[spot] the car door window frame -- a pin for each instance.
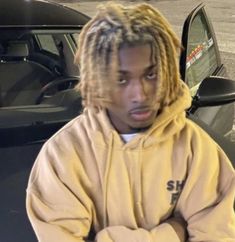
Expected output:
(199, 10)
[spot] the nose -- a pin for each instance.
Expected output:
(139, 92)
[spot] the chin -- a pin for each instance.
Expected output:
(141, 127)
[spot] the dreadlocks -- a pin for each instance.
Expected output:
(113, 27)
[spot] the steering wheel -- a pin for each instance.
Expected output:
(55, 86)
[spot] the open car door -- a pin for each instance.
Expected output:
(200, 57)
(200, 62)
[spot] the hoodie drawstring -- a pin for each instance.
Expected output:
(106, 177)
(139, 182)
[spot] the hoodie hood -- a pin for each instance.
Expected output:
(169, 121)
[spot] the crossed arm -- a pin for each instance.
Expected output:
(73, 224)
(180, 227)
(173, 229)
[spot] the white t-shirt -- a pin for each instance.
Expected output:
(128, 137)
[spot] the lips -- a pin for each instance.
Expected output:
(141, 114)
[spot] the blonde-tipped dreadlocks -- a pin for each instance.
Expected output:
(115, 26)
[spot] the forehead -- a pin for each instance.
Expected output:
(139, 56)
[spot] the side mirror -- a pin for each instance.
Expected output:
(214, 91)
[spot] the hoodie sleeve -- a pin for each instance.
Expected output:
(162, 233)
(56, 210)
(207, 199)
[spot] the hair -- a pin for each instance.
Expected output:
(113, 27)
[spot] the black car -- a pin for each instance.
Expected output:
(37, 95)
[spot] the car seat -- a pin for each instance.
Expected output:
(20, 79)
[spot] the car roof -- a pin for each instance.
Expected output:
(39, 14)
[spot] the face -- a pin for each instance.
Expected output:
(133, 96)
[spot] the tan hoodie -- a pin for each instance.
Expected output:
(86, 177)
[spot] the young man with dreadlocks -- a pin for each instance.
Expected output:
(131, 167)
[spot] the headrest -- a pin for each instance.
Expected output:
(18, 49)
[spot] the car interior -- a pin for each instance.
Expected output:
(36, 78)
(21, 86)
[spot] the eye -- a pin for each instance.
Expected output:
(151, 75)
(122, 81)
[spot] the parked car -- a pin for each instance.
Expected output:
(37, 95)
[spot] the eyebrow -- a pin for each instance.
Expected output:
(146, 69)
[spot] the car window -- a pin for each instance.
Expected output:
(201, 54)
(75, 37)
(47, 43)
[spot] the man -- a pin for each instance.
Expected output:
(131, 167)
